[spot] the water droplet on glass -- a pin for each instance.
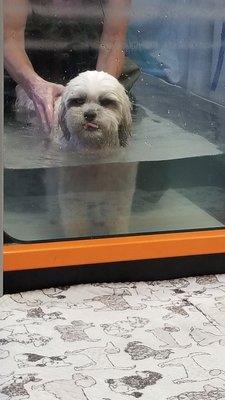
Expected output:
(147, 142)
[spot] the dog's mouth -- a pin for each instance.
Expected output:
(91, 126)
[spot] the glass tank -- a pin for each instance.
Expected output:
(161, 171)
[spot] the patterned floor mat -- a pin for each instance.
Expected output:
(151, 340)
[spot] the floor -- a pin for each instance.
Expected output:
(161, 340)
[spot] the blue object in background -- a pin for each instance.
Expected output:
(158, 38)
(142, 56)
(220, 60)
(182, 42)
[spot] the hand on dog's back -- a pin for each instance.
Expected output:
(44, 94)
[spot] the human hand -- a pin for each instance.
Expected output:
(44, 94)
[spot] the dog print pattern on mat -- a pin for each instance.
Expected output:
(138, 351)
(37, 314)
(125, 327)
(134, 385)
(97, 358)
(75, 332)
(88, 358)
(208, 393)
(14, 386)
(113, 303)
(21, 334)
(150, 340)
(76, 385)
(193, 369)
(167, 335)
(39, 360)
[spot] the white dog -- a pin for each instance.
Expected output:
(94, 115)
(95, 111)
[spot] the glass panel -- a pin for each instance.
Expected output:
(170, 175)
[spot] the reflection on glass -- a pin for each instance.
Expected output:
(170, 175)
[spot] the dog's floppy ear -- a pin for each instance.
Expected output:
(62, 120)
(126, 121)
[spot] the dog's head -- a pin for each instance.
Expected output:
(95, 111)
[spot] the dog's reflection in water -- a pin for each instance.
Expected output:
(94, 116)
(96, 199)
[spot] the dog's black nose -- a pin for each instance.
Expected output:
(90, 115)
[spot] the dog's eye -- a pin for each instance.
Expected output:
(107, 102)
(76, 102)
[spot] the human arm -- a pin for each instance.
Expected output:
(111, 53)
(18, 65)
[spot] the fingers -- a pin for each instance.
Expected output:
(55, 92)
(45, 115)
(45, 112)
(44, 97)
(49, 111)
